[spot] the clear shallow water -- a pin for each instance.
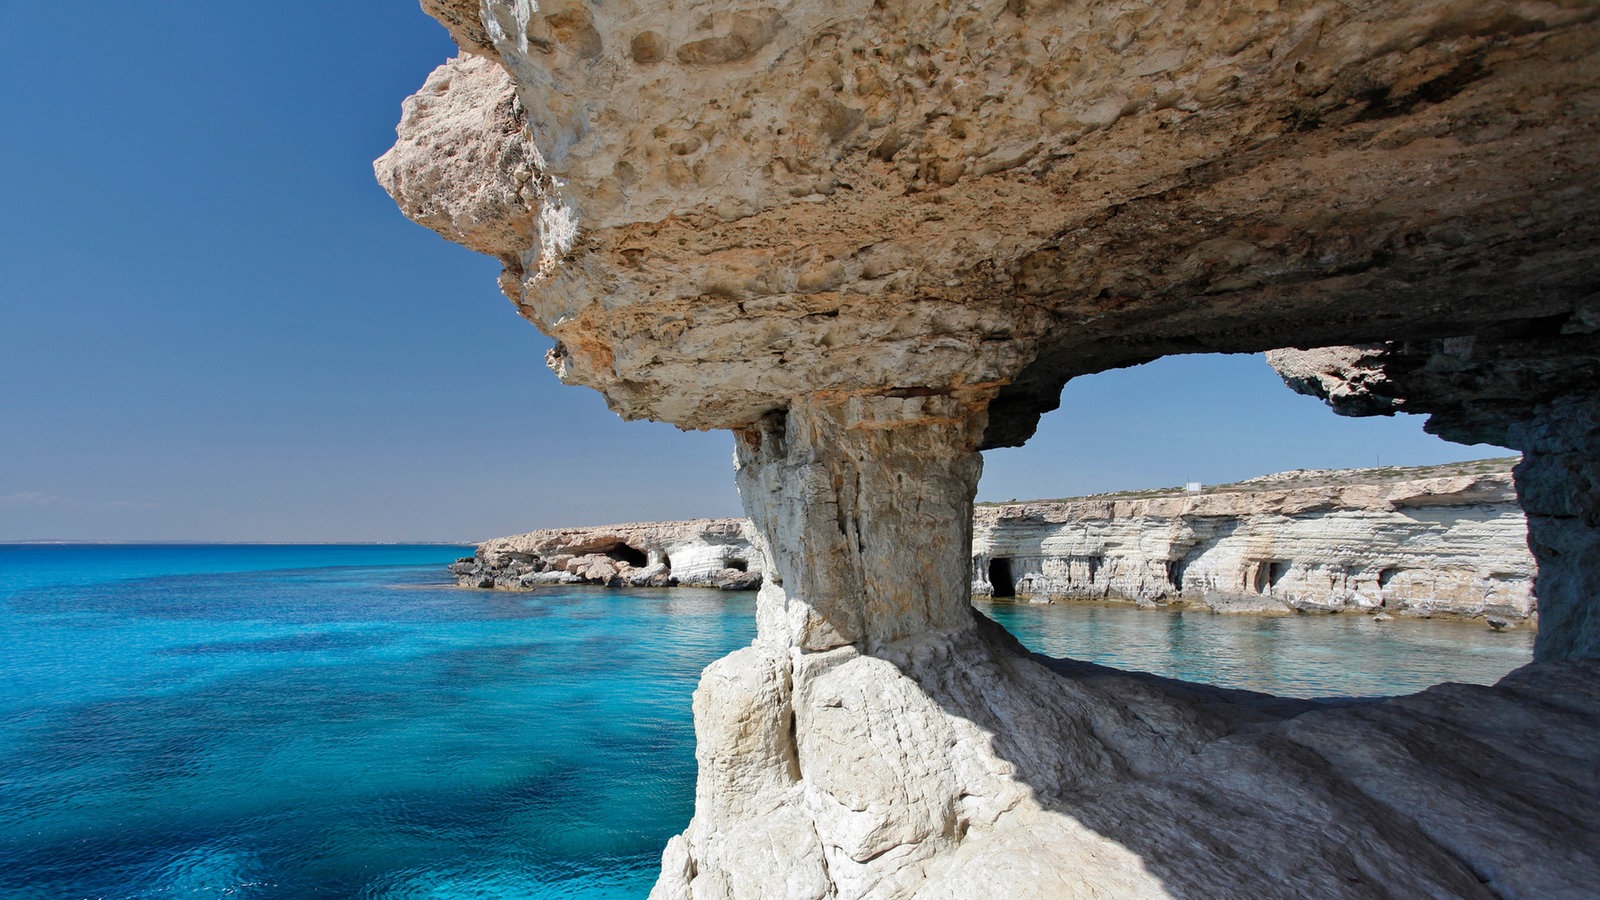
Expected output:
(339, 721)
(360, 730)
(1294, 656)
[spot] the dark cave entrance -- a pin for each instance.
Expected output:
(629, 555)
(1002, 584)
(737, 563)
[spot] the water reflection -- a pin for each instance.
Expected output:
(1297, 656)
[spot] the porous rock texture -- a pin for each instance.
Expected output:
(874, 236)
(1441, 540)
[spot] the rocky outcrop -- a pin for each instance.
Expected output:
(958, 766)
(718, 208)
(1444, 540)
(1439, 540)
(872, 237)
(1533, 390)
(695, 553)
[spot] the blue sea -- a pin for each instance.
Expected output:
(341, 721)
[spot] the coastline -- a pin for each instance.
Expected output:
(1445, 541)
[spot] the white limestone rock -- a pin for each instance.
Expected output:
(695, 553)
(1416, 542)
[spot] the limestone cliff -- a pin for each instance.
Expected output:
(694, 553)
(1439, 540)
(872, 237)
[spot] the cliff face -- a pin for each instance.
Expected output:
(872, 237)
(1446, 540)
(696, 553)
(1435, 544)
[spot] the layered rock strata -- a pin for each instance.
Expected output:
(695, 553)
(1441, 540)
(1418, 542)
(874, 236)
(1534, 390)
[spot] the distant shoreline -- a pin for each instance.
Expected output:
(83, 543)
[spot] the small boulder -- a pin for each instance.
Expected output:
(533, 579)
(736, 580)
(657, 575)
(594, 568)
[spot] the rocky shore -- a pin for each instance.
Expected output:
(872, 240)
(715, 553)
(1444, 540)
(1425, 541)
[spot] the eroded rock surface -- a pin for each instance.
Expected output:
(961, 767)
(1445, 540)
(737, 204)
(694, 553)
(1534, 390)
(874, 236)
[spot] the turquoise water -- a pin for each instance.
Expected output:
(1316, 655)
(340, 721)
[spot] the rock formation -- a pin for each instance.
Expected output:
(1534, 390)
(1439, 540)
(874, 236)
(695, 553)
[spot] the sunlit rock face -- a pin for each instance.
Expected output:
(1449, 540)
(749, 202)
(873, 237)
(692, 553)
(1533, 389)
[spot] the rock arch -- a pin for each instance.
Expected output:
(873, 238)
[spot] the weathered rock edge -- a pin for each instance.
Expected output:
(874, 236)
(1438, 540)
(1425, 541)
(716, 553)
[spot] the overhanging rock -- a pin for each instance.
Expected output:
(873, 237)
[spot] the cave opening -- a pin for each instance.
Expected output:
(1175, 569)
(737, 563)
(1276, 570)
(630, 555)
(1000, 580)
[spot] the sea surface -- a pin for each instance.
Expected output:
(341, 721)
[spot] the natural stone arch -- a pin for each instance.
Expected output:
(872, 238)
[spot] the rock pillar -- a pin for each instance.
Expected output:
(865, 504)
(1558, 485)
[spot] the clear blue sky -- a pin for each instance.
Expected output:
(214, 325)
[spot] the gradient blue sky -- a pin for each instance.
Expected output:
(214, 325)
